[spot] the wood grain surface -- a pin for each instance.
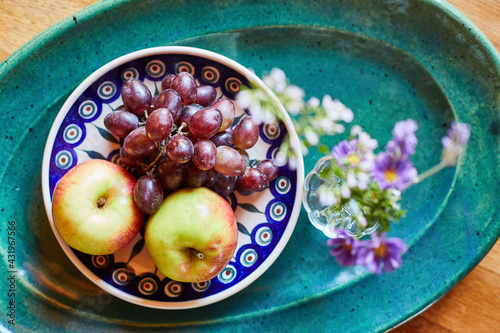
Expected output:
(471, 306)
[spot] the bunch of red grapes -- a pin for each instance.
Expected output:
(183, 137)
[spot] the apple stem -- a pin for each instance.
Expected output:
(199, 255)
(101, 202)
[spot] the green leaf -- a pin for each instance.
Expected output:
(94, 155)
(323, 149)
(250, 208)
(242, 229)
(137, 249)
(108, 136)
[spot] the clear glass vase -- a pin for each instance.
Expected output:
(329, 219)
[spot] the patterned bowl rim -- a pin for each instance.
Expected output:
(294, 142)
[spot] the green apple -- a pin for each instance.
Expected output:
(193, 236)
(93, 208)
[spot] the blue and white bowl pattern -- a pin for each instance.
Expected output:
(262, 217)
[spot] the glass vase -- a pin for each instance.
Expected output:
(329, 219)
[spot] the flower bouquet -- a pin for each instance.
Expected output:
(353, 194)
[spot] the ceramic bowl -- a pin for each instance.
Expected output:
(265, 220)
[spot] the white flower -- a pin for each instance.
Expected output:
(367, 164)
(295, 92)
(352, 182)
(311, 137)
(312, 102)
(363, 180)
(345, 192)
(347, 115)
(244, 99)
(330, 108)
(326, 126)
(296, 96)
(276, 80)
(365, 141)
(336, 110)
(338, 128)
(327, 198)
(292, 163)
(280, 158)
(362, 220)
(304, 149)
(294, 107)
(356, 130)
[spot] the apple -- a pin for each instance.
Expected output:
(193, 236)
(93, 207)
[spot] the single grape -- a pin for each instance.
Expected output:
(159, 124)
(244, 154)
(229, 162)
(187, 112)
(185, 84)
(171, 100)
(151, 157)
(167, 81)
(205, 154)
(241, 188)
(245, 133)
(180, 149)
(120, 123)
(138, 144)
(170, 174)
(224, 186)
(148, 194)
(127, 159)
(211, 179)
(136, 96)
(222, 139)
(205, 123)
(137, 172)
(121, 108)
(191, 137)
(270, 169)
(205, 95)
(226, 107)
(153, 102)
(194, 176)
(254, 179)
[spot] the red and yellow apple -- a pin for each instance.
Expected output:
(93, 208)
(193, 236)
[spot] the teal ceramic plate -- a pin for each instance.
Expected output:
(386, 60)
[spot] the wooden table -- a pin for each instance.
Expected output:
(472, 306)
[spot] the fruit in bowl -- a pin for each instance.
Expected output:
(93, 208)
(175, 142)
(97, 120)
(193, 236)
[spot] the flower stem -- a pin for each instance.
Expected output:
(435, 169)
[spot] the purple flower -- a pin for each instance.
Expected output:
(344, 248)
(404, 140)
(346, 151)
(390, 172)
(459, 133)
(381, 251)
(454, 143)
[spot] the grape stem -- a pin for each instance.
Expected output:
(155, 160)
(147, 167)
